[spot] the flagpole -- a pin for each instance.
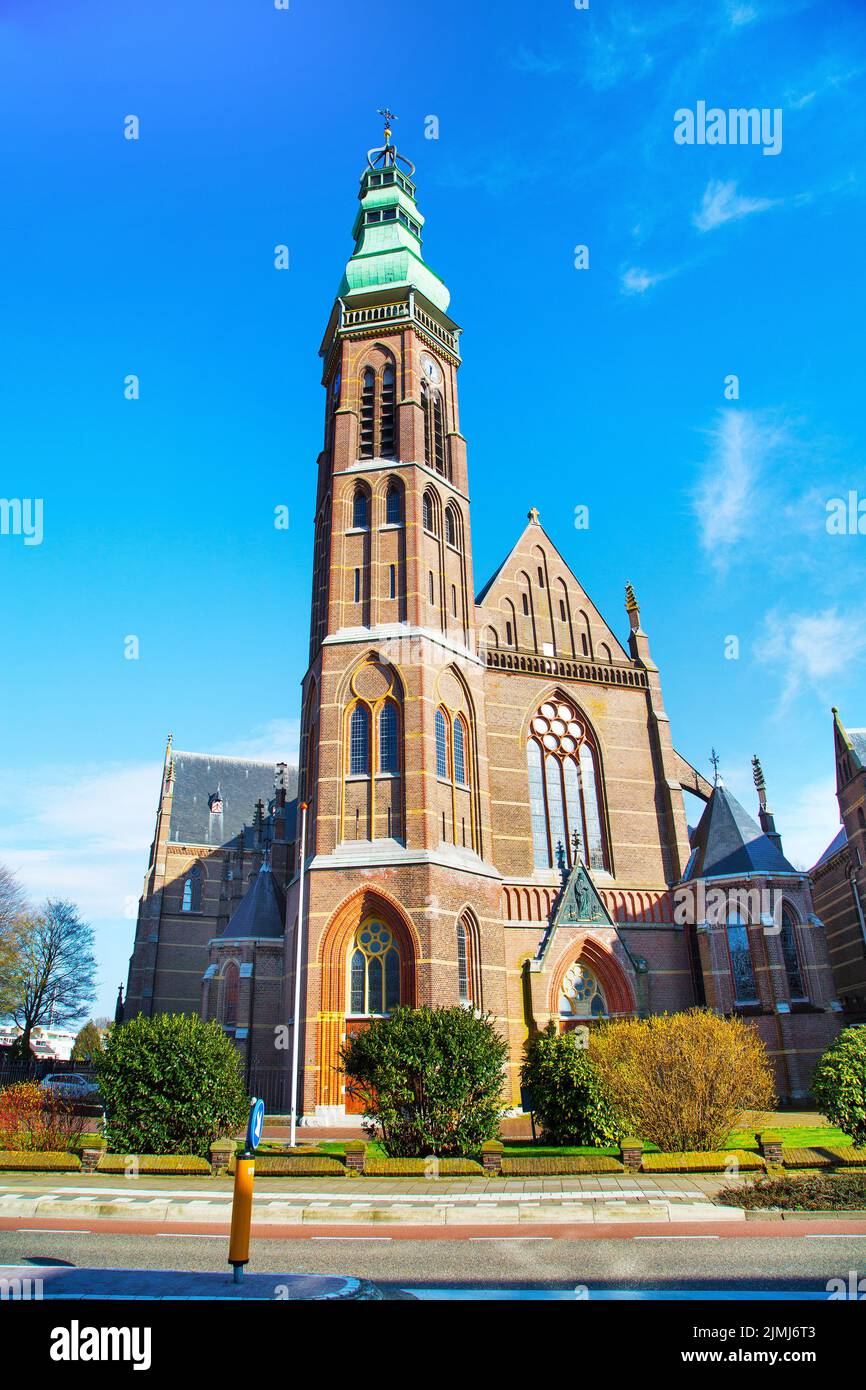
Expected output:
(299, 936)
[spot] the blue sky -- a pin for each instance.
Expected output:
(602, 387)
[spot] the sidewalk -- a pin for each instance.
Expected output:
(291, 1201)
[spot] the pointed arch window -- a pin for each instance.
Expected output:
(367, 444)
(387, 414)
(374, 986)
(359, 742)
(742, 967)
(428, 514)
(393, 505)
(360, 510)
(565, 793)
(191, 894)
(450, 527)
(441, 744)
(463, 978)
(460, 751)
(788, 939)
(231, 990)
(389, 746)
(434, 429)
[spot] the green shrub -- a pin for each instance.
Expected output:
(430, 1080)
(29, 1161)
(811, 1192)
(712, 1162)
(550, 1165)
(171, 1085)
(569, 1096)
(681, 1080)
(839, 1084)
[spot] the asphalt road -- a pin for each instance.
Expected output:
(645, 1260)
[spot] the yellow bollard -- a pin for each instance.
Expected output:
(242, 1211)
(242, 1197)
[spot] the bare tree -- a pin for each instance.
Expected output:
(12, 905)
(59, 971)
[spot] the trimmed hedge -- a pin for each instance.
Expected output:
(153, 1163)
(551, 1165)
(824, 1158)
(296, 1165)
(421, 1167)
(708, 1162)
(12, 1160)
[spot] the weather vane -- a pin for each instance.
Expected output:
(388, 116)
(714, 759)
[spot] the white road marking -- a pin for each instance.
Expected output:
(39, 1231)
(511, 1237)
(676, 1237)
(362, 1238)
(834, 1235)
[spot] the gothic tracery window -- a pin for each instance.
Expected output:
(442, 759)
(564, 787)
(374, 970)
(742, 967)
(581, 995)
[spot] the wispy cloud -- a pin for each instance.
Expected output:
(722, 203)
(732, 483)
(275, 741)
(637, 280)
(811, 651)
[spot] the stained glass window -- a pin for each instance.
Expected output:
(374, 970)
(792, 960)
(745, 988)
(581, 995)
(564, 791)
(359, 509)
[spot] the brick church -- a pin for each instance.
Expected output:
(496, 811)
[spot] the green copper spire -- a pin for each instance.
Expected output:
(387, 230)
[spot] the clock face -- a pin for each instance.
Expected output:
(431, 369)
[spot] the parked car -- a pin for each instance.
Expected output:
(71, 1085)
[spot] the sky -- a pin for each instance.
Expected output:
(600, 387)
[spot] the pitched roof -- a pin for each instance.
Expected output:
(261, 911)
(838, 842)
(534, 534)
(728, 842)
(240, 781)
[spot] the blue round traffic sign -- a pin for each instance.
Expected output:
(255, 1123)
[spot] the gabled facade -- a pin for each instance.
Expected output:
(495, 804)
(839, 877)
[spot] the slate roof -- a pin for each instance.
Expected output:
(241, 782)
(261, 912)
(839, 842)
(728, 841)
(858, 738)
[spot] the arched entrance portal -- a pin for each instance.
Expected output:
(369, 957)
(590, 985)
